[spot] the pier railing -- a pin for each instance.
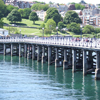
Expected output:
(94, 43)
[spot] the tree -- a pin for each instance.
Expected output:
(2, 9)
(26, 13)
(52, 13)
(42, 25)
(33, 16)
(39, 2)
(1, 23)
(9, 9)
(51, 24)
(74, 27)
(71, 16)
(39, 6)
(35, 6)
(44, 7)
(14, 16)
(73, 3)
(88, 29)
(21, 11)
(60, 25)
(79, 6)
(97, 30)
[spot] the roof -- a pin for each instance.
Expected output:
(77, 11)
(1, 29)
(82, 2)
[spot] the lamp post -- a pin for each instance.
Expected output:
(20, 32)
(43, 32)
(50, 29)
(9, 29)
(81, 29)
(57, 31)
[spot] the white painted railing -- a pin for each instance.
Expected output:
(54, 41)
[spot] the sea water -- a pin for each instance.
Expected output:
(27, 79)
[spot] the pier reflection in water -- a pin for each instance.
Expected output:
(32, 80)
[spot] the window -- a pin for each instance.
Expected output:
(3, 32)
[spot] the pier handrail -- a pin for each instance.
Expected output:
(92, 43)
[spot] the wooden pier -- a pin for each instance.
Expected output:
(84, 56)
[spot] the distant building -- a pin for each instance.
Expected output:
(19, 4)
(90, 20)
(97, 5)
(90, 12)
(79, 12)
(87, 6)
(60, 8)
(4, 32)
(71, 7)
(41, 14)
(22, 4)
(63, 13)
(82, 2)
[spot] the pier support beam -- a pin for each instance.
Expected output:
(70, 57)
(38, 53)
(25, 50)
(74, 61)
(84, 63)
(90, 60)
(4, 49)
(19, 50)
(49, 55)
(28, 54)
(33, 52)
(97, 70)
(65, 63)
(43, 54)
(11, 49)
(56, 60)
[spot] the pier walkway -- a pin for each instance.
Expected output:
(76, 53)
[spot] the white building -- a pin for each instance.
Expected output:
(62, 13)
(4, 32)
(41, 14)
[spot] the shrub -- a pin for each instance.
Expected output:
(16, 32)
(47, 31)
(54, 30)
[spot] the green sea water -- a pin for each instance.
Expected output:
(25, 79)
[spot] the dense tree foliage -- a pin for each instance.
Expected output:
(97, 30)
(50, 2)
(47, 31)
(60, 25)
(74, 27)
(79, 6)
(88, 29)
(26, 13)
(71, 16)
(9, 8)
(51, 24)
(39, 6)
(54, 14)
(21, 11)
(14, 16)
(72, 3)
(39, 2)
(2, 9)
(42, 25)
(33, 17)
(1, 23)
